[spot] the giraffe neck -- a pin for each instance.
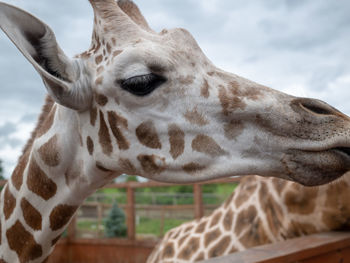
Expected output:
(49, 183)
(260, 211)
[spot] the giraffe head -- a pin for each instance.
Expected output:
(152, 104)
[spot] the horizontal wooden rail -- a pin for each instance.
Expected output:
(317, 248)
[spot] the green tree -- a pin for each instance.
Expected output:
(115, 222)
(1, 171)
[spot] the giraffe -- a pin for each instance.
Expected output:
(150, 104)
(260, 211)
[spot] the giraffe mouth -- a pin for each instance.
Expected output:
(343, 150)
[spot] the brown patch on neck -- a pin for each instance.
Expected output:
(49, 152)
(205, 89)
(31, 215)
(176, 140)
(301, 200)
(205, 144)
(228, 219)
(60, 216)
(190, 248)
(252, 227)
(152, 164)
(279, 184)
(168, 251)
(115, 123)
(211, 236)
(17, 175)
(273, 211)
(104, 137)
(23, 243)
(216, 218)
(39, 183)
(233, 129)
(220, 248)
(201, 227)
(336, 216)
(9, 203)
(147, 135)
(196, 118)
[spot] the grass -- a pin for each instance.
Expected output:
(152, 226)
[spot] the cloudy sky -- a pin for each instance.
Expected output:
(297, 46)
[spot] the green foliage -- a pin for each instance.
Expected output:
(115, 222)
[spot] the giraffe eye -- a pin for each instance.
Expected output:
(142, 85)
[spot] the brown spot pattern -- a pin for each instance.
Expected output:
(207, 145)
(211, 236)
(252, 227)
(149, 164)
(200, 257)
(101, 99)
(49, 152)
(116, 53)
(228, 219)
(177, 141)
(104, 137)
(216, 218)
(337, 216)
(205, 89)
(273, 211)
(23, 243)
(61, 215)
(115, 122)
(229, 200)
(233, 129)
(17, 175)
(93, 116)
(196, 118)
(230, 103)
(168, 251)
(301, 200)
(279, 184)
(193, 168)
(39, 183)
(46, 125)
(201, 227)
(90, 145)
(31, 215)
(9, 203)
(190, 248)
(246, 190)
(98, 59)
(147, 135)
(220, 248)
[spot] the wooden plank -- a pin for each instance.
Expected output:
(130, 213)
(198, 201)
(289, 251)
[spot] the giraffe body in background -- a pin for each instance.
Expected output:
(148, 104)
(260, 211)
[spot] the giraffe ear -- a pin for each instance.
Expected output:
(37, 43)
(131, 9)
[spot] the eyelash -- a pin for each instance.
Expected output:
(142, 85)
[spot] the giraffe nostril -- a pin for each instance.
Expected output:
(316, 107)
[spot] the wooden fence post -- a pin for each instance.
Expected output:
(130, 213)
(198, 201)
